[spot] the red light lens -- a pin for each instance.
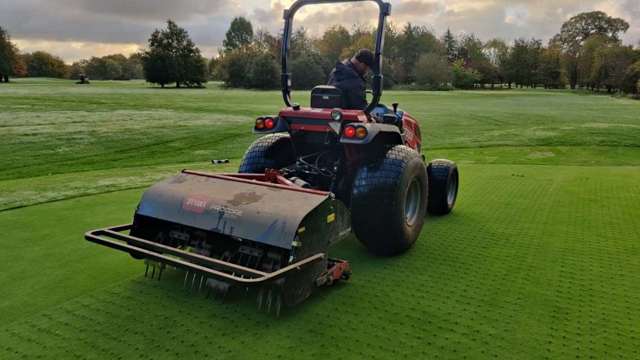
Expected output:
(269, 123)
(350, 131)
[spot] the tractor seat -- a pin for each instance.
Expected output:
(326, 97)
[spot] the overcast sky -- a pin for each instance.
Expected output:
(74, 29)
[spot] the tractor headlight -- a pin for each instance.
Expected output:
(336, 115)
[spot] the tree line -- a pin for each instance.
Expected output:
(44, 64)
(171, 57)
(586, 53)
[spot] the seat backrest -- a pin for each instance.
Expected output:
(326, 97)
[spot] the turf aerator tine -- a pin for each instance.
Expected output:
(269, 295)
(260, 298)
(162, 266)
(193, 281)
(186, 276)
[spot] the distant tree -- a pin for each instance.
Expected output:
(8, 56)
(240, 34)
(497, 51)
(43, 64)
(587, 77)
(433, 71)
(333, 42)
(472, 51)
(307, 72)
(450, 45)
(20, 67)
(214, 64)
(610, 66)
(303, 48)
(110, 67)
(78, 69)
(524, 62)
(494, 49)
(577, 30)
(570, 66)
(414, 41)
(463, 77)
(132, 68)
(263, 72)
(172, 57)
(391, 41)
(361, 38)
(550, 71)
(234, 66)
(631, 84)
(158, 67)
(267, 42)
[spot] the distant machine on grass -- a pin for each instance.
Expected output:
(317, 175)
(84, 80)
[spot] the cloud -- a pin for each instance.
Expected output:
(110, 24)
(150, 10)
(74, 50)
(122, 24)
(516, 15)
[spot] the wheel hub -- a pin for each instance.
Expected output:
(412, 203)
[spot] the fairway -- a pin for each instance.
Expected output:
(540, 258)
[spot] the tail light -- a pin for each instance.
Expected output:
(349, 132)
(269, 123)
(265, 123)
(357, 132)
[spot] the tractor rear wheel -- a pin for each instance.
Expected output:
(443, 186)
(389, 201)
(274, 151)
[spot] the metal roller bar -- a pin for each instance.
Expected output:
(111, 237)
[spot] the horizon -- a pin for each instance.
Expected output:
(80, 29)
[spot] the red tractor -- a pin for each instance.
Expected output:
(315, 176)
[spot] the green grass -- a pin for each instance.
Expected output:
(540, 259)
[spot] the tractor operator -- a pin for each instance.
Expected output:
(348, 76)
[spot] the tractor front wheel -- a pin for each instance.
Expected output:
(389, 201)
(443, 186)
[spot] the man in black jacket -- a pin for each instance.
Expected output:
(348, 76)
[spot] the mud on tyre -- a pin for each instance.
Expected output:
(389, 201)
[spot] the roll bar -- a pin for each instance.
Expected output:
(289, 14)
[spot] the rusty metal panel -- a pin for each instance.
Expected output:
(252, 211)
